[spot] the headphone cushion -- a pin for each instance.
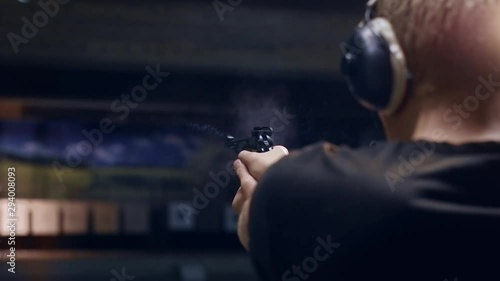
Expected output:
(368, 69)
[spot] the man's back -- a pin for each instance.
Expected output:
(395, 211)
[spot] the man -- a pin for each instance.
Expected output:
(423, 206)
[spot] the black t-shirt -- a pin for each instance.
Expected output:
(396, 211)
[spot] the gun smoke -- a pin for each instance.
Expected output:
(260, 109)
(207, 129)
(265, 108)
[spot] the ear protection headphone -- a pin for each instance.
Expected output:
(374, 64)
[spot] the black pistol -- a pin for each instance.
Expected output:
(260, 141)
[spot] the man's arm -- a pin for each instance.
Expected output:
(309, 208)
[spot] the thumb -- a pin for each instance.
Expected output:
(275, 154)
(280, 150)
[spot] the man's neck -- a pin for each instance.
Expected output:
(459, 123)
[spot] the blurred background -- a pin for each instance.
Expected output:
(114, 116)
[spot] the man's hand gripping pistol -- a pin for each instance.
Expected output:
(260, 141)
